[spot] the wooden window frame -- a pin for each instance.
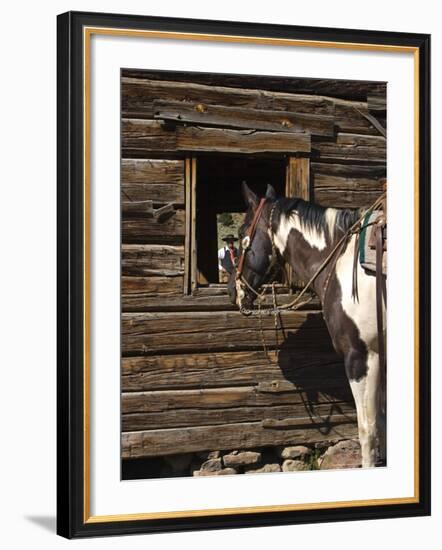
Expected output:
(297, 184)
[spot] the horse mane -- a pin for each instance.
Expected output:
(313, 216)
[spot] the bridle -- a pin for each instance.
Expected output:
(240, 282)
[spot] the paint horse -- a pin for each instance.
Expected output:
(303, 234)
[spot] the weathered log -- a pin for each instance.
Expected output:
(221, 398)
(163, 211)
(352, 147)
(141, 137)
(145, 209)
(345, 89)
(233, 436)
(220, 289)
(138, 97)
(217, 301)
(346, 192)
(377, 102)
(154, 231)
(373, 171)
(152, 171)
(208, 417)
(157, 180)
(150, 333)
(346, 199)
(240, 117)
(152, 286)
(211, 370)
(137, 208)
(139, 260)
(158, 194)
(349, 118)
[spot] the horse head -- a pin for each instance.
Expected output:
(257, 256)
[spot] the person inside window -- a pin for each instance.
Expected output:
(227, 256)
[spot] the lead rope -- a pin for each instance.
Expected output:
(263, 339)
(277, 325)
(276, 317)
(296, 304)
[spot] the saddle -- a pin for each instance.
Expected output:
(374, 227)
(371, 248)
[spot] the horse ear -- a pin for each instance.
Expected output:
(270, 192)
(249, 196)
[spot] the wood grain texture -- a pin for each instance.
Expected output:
(377, 103)
(151, 333)
(346, 192)
(357, 90)
(168, 230)
(233, 436)
(298, 184)
(292, 371)
(139, 95)
(159, 194)
(139, 260)
(189, 303)
(161, 181)
(349, 118)
(352, 147)
(151, 286)
(142, 137)
(219, 398)
(152, 171)
(240, 117)
(352, 170)
(196, 416)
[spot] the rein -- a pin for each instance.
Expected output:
(247, 241)
(295, 303)
(246, 244)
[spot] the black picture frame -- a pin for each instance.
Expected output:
(71, 520)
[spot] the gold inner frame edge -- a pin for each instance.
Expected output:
(87, 33)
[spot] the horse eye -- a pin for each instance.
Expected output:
(245, 242)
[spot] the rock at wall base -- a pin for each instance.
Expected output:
(291, 465)
(294, 452)
(267, 468)
(242, 459)
(345, 454)
(223, 472)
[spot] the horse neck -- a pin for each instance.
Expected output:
(305, 247)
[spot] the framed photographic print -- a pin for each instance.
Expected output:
(224, 193)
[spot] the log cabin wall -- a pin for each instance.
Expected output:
(194, 374)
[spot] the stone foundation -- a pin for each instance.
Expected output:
(291, 458)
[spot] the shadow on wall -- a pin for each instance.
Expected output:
(308, 360)
(309, 366)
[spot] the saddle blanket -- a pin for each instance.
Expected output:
(367, 252)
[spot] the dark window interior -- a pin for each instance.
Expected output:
(218, 190)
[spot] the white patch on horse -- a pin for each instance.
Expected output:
(282, 234)
(330, 218)
(365, 393)
(313, 237)
(362, 312)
